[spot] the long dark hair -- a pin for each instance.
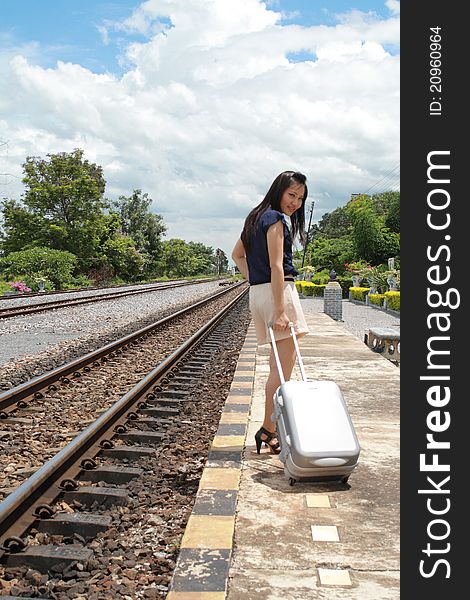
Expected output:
(273, 199)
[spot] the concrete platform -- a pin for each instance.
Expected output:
(251, 535)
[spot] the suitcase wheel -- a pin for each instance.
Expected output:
(292, 481)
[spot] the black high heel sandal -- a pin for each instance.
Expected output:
(270, 436)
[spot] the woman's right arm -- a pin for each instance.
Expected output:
(239, 258)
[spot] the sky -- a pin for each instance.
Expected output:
(201, 103)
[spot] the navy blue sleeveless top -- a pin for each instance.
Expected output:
(257, 257)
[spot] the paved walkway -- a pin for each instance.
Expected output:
(253, 536)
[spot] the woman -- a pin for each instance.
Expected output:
(263, 255)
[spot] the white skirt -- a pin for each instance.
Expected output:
(262, 311)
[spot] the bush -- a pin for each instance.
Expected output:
(393, 300)
(377, 299)
(33, 283)
(19, 286)
(319, 290)
(307, 272)
(359, 293)
(4, 287)
(298, 286)
(81, 281)
(55, 266)
(101, 274)
(307, 288)
(376, 277)
(311, 289)
(322, 277)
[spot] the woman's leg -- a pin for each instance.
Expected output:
(286, 351)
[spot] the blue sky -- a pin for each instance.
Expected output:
(201, 103)
(68, 30)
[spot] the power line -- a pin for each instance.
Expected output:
(389, 182)
(389, 175)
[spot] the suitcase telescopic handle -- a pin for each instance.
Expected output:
(276, 353)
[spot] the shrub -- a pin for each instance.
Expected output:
(33, 283)
(319, 290)
(356, 267)
(359, 293)
(298, 286)
(393, 300)
(377, 277)
(81, 281)
(322, 277)
(101, 274)
(307, 288)
(377, 299)
(19, 286)
(307, 272)
(4, 287)
(311, 289)
(53, 265)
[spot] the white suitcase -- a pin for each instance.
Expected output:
(316, 434)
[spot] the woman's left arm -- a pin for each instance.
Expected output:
(239, 258)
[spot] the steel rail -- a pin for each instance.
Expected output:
(93, 288)
(18, 393)
(17, 510)
(14, 311)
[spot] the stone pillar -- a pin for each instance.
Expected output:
(333, 301)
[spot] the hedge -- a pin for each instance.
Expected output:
(359, 293)
(377, 299)
(311, 289)
(393, 300)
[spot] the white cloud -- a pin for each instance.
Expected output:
(104, 33)
(393, 6)
(210, 110)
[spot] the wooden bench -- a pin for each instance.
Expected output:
(385, 341)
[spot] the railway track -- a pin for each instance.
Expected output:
(46, 294)
(15, 311)
(128, 430)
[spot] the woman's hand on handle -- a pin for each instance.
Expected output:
(280, 321)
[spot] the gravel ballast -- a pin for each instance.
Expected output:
(35, 343)
(135, 557)
(25, 300)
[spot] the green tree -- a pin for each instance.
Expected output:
(390, 246)
(330, 253)
(392, 214)
(121, 254)
(178, 259)
(144, 227)
(207, 259)
(336, 224)
(382, 202)
(366, 233)
(373, 240)
(221, 265)
(63, 207)
(21, 228)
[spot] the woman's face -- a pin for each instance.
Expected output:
(292, 198)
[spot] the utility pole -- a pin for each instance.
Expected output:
(308, 231)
